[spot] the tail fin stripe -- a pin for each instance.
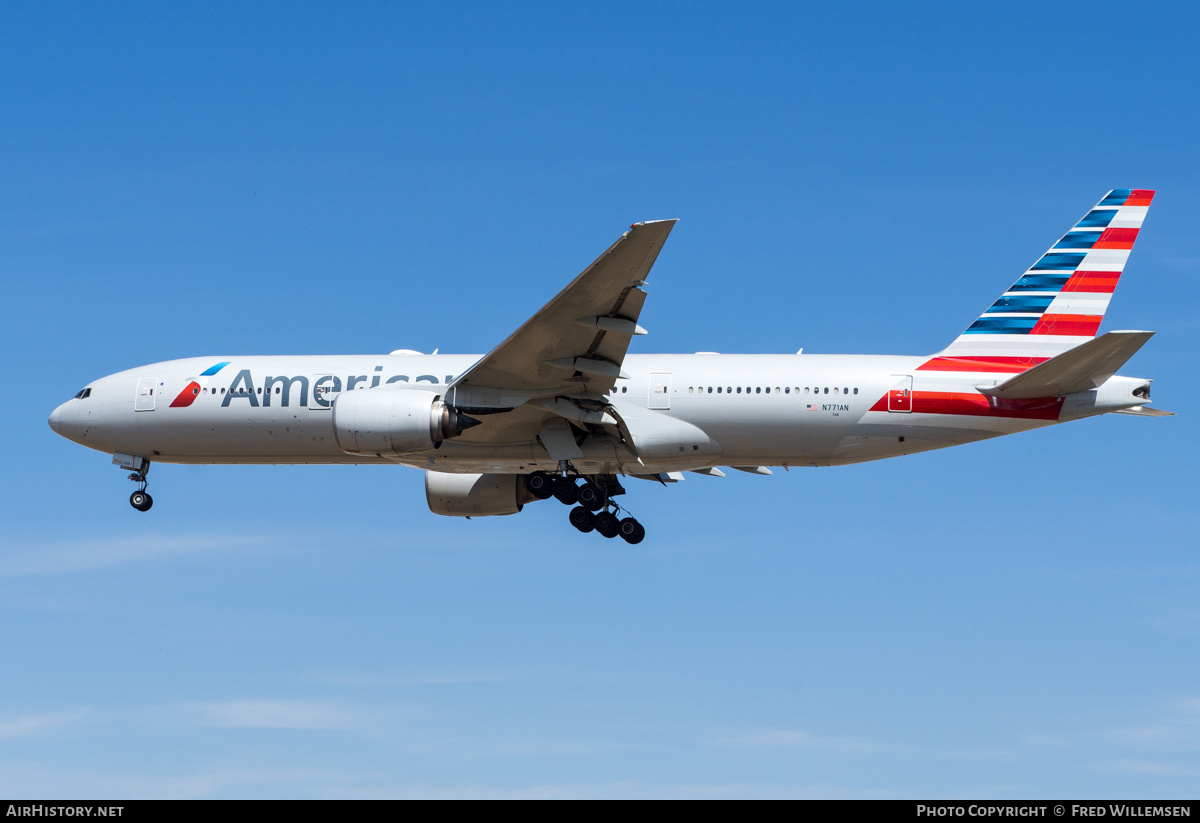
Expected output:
(1116, 197)
(1105, 260)
(1079, 302)
(1096, 219)
(1130, 217)
(1078, 325)
(1117, 239)
(1018, 304)
(1100, 282)
(1079, 240)
(1008, 365)
(1003, 325)
(1041, 282)
(1058, 262)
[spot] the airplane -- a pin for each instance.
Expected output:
(561, 409)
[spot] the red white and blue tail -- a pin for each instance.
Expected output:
(1059, 302)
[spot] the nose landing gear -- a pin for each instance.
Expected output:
(140, 499)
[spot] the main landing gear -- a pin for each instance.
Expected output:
(595, 510)
(140, 499)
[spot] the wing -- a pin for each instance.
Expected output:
(576, 342)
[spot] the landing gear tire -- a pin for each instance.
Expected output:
(631, 531)
(607, 524)
(540, 485)
(565, 491)
(141, 501)
(590, 497)
(582, 519)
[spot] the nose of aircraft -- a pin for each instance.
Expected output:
(58, 418)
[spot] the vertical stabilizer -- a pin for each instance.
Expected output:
(1059, 302)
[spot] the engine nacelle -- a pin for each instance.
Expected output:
(475, 495)
(394, 421)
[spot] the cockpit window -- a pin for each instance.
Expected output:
(84, 393)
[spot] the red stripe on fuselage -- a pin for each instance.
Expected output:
(1012, 365)
(1095, 282)
(974, 404)
(1078, 325)
(187, 397)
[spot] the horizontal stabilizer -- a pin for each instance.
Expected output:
(1082, 368)
(1145, 411)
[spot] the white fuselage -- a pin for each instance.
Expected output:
(690, 411)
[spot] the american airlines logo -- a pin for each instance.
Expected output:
(321, 388)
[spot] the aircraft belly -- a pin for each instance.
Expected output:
(256, 436)
(877, 439)
(281, 459)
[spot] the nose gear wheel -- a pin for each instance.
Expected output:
(140, 499)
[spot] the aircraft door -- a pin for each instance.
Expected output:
(659, 396)
(900, 395)
(325, 390)
(147, 387)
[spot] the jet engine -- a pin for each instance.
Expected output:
(394, 421)
(475, 495)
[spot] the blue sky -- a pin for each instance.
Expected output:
(1016, 618)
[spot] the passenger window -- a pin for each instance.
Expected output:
(624, 389)
(739, 390)
(827, 390)
(718, 389)
(758, 390)
(845, 391)
(768, 389)
(856, 390)
(710, 389)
